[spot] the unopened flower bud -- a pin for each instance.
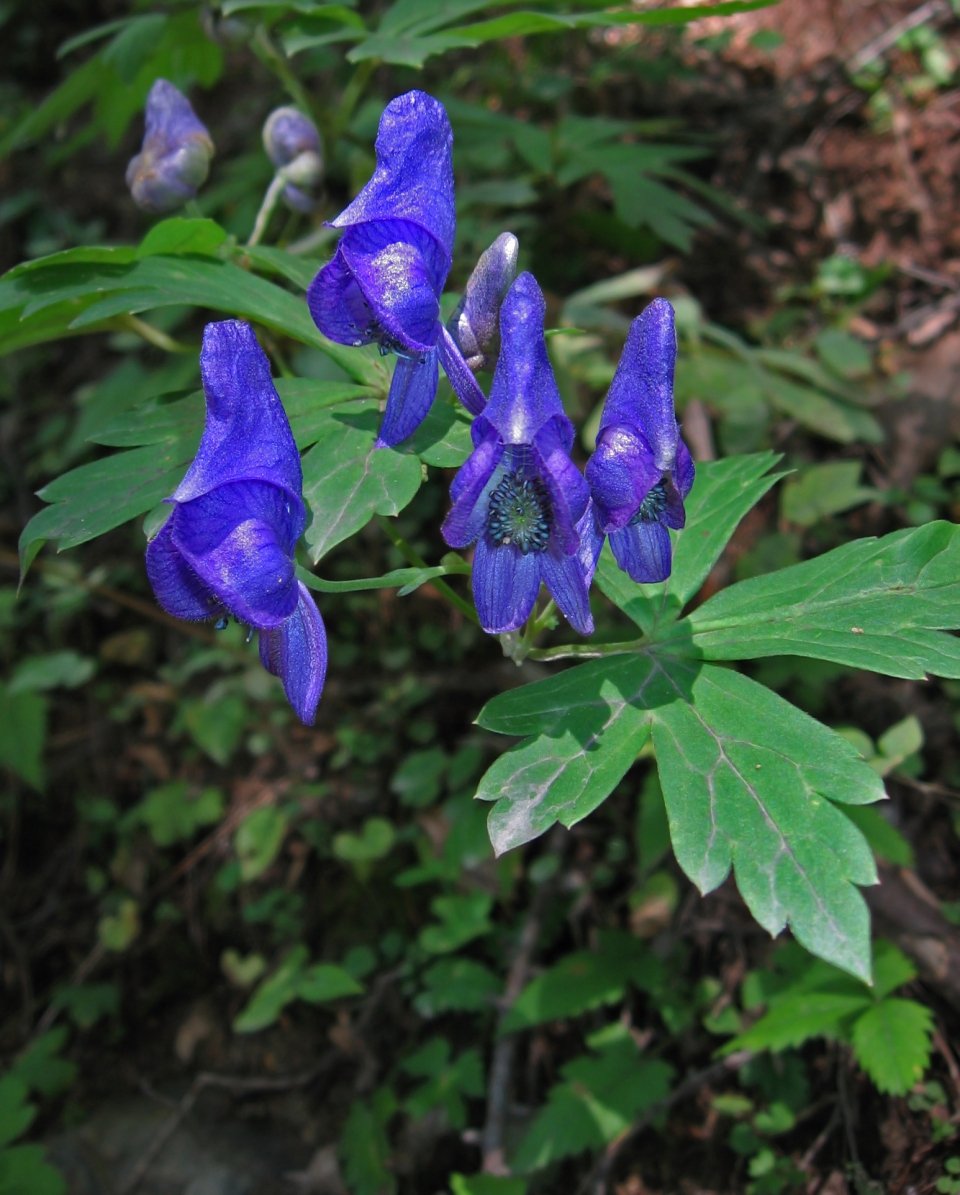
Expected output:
(174, 159)
(293, 145)
(475, 325)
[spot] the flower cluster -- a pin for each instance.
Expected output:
(532, 516)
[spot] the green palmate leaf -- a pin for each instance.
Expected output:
(163, 436)
(744, 775)
(590, 724)
(346, 480)
(412, 31)
(722, 494)
(881, 604)
(443, 439)
(92, 287)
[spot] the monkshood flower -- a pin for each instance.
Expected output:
(227, 548)
(641, 470)
(475, 323)
(519, 496)
(384, 283)
(293, 145)
(175, 156)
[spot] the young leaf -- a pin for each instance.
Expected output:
(892, 1043)
(346, 480)
(881, 604)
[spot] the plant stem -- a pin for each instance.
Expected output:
(416, 559)
(585, 651)
(352, 93)
(131, 323)
(270, 198)
(276, 61)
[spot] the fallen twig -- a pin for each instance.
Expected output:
(596, 1181)
(231, 1083)
(491, 1140)
(879, 45)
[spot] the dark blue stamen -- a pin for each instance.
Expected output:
(388, 343)
(221, 623)
(520, 513)
(652, 507)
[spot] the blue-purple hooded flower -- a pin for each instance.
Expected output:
(292, 143)
(641, 470)
(228, 545)
(175, 156)
(519, 496)
(385, 280)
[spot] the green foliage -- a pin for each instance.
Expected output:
(258, 840)
(86, 1003)
(365, 1147)
(805, 999)
(824, 490)
(59, 669)
(411, 31)
(600, 1097)
(117, 78)
(23, 1169)
(462, 918)
(448, 1080)
(486, 1184)
(216, 725)
(456, 984)
(293, 979)
(584, 980)
(173, 812)
(23, 733)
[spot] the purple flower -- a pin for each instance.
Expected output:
(641, 470)
(228, 546)
(384, 282)
(175, 156)
(293, 145)
(519, 495)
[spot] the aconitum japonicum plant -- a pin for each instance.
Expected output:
(641, 470)
(227, 547)
(519, 496)
(175, 156)
(384, 283)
